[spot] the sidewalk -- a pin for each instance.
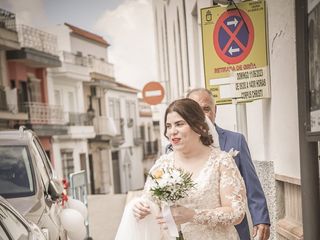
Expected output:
(105, 213)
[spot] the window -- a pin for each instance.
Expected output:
(23, 91)
(13, 225)
(40, 164)
(71, 102)
(142, 132)
(12, 84)
(57, 97)
(16, 174)
(149, 133)
(131, 114)
(34, 88)
(314, 68)
(67, 162)
(114, 112)
(128, 109)
(44, 157)
(3, 234)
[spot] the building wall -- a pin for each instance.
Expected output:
(73, 43)
(66, 87)
(131, 156)
(88, 47)
(20, 72)
(3, 68)
(173, 58)
(151, 134)
(78, 146)
(17, 71)
(71, 82)
(46, 144)
(284, 105)
(63, 36)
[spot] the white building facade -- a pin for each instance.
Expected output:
(102, 115)
(127, 157)
(272, 124)
(150, 135)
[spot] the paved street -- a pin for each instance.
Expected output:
(105, 213)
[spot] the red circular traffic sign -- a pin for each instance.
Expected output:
(233, 36)
(153, 93)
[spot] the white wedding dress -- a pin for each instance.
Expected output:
(218, 182)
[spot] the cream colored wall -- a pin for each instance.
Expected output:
(88, 47)
(3, 69)
(63, 36)
(281, 113)
(78, 147)
(129, 153)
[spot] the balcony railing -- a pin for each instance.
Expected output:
(150, 148)
(30, 37)
(101, 66)
(75, 59)
(7, 20)
(11, 100)
(41, 113)
(79, 119)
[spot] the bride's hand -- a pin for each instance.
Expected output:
(140, 210)
(182, 214)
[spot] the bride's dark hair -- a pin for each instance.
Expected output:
(192, 113)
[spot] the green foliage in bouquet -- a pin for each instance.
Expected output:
(170, 184)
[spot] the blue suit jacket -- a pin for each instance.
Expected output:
(256, 200)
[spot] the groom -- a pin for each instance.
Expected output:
(228, 140)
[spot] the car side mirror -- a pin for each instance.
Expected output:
(55, 189)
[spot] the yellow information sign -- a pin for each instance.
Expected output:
(234, 40)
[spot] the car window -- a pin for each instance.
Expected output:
(44, 157)
(3, 235)
(14, 226)
(40, 165)
(16, 173)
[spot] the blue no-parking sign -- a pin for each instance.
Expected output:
(233, 36)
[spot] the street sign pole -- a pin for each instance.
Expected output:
(241, 115)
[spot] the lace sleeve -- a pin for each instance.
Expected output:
(232, 196)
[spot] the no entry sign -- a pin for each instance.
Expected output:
(153, 93)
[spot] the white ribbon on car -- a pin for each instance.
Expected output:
(167, 215)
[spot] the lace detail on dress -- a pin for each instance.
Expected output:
(232, 194)
(218, 184)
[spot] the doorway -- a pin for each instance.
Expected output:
(116, 172)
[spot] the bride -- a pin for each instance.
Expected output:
(211, 210)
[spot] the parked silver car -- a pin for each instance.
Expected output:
(14, 226)
(28, 182)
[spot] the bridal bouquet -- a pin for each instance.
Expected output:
(167, 186)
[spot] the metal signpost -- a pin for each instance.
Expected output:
(235, 55)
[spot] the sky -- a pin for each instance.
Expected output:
(126, 24)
